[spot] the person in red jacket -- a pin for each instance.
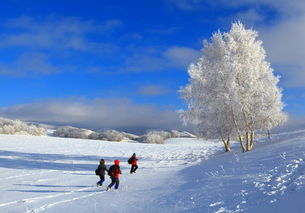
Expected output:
(114, 172)
(134, 163)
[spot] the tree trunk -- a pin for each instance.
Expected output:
(269, 135)
(250, 140)
(227, 145)
(239, 135)
(241, 141)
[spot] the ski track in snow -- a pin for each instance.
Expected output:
(29, 174)
(33, 199)
(65, 200)
(52, 199)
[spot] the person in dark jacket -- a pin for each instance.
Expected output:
(134, 163)
(114, 172)
(101, 172)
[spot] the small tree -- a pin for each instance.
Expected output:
(232, 91)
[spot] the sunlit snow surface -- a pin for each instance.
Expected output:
(48, 174)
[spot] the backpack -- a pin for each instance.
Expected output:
(97, 171)
(111, 170)
(130, 161)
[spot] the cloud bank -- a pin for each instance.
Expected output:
(294, 123)
(285, 47)
(120, 114)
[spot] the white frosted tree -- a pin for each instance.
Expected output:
(232, 91)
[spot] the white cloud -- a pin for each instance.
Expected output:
(96, 114)
(145, 59)
(152, 90)
(286, 8)
(181, 56)
(187, 5)
(55, 32)
(49, 37)
(160, 59)
(249, 17)
(29, 63)
(285, 47)
(35, 63)
(294, 123)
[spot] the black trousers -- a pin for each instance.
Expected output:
(102, 177)
(133, 168)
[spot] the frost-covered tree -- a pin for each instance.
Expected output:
(155, 137)
(232, 91)
(72, 132)
(112, 135)
(18, 127)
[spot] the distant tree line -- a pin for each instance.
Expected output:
(152, 137)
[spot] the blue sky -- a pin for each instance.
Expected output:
(119, 64)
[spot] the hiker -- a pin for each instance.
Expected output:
(101, 172)
(114, 173)
(134, 163)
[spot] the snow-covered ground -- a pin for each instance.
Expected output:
(48, 174)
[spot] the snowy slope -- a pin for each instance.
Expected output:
(271, 178)
(47, 174)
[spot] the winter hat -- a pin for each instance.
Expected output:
(134, 154)
(116, 162)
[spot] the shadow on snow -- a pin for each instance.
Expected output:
(22, 160)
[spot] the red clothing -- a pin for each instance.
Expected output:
(134, 160)
(117, 172)
(116, 169)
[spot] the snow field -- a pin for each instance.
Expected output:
(48, 174)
